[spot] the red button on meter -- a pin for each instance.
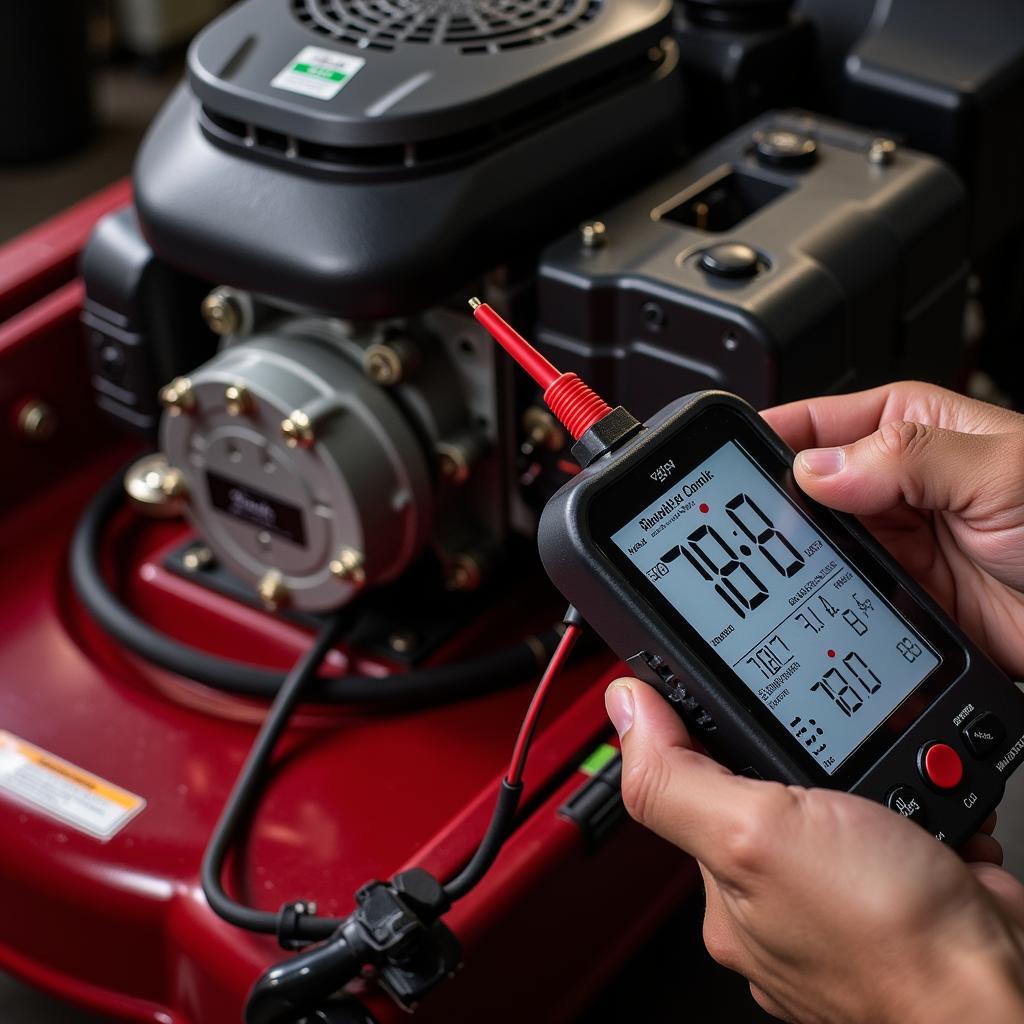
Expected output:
(941, 766)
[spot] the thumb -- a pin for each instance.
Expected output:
(668, 786)
(915, 464)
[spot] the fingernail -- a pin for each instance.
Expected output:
(822, 461)
(619, 704)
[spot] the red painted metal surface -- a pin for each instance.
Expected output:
(122, 926)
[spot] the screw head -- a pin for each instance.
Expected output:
(178, 396)
(297, 430)
(37, 420)
(238, 400)
(273, 590)
(593, 234)
(882, 152)
(349, 567)
(222, 311)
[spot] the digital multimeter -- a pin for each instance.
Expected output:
(786, 637)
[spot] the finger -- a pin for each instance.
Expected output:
(988, 826)
(1004, 888)
(921, 466)
(682, 795)
(839, 419)
(982, 849)
(768, 1004)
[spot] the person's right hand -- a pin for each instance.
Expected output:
(939, 480)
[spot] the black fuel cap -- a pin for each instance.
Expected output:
(780, 147)
(730, 259)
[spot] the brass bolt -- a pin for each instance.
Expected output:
(349, 567)
(37, 420)
(453, 462)
(222, 311)
(273, 590)
(542, 429)
(197, 558)
(882, 152)
(155, 487)
(402, 643)
(178, 396)
(593, 234)
(298, 431)
(464, 573)
(238, 400)
(388, 362)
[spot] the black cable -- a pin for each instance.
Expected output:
(474, 677)
(249, 785)
(490, 846)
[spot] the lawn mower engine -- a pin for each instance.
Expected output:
(319, 438)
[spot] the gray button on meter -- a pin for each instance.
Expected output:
(730, 259)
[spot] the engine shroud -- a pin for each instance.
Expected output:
(450, 136)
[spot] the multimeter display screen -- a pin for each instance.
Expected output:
(827, 655)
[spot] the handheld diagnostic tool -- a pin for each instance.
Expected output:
(786, 637)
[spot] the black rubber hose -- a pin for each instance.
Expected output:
(248, 788)
(473, 677)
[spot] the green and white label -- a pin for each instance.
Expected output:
(318, 73)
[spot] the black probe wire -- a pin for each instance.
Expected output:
(472, 677)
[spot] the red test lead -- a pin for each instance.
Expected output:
(574, 404)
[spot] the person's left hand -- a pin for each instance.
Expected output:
(836, 910)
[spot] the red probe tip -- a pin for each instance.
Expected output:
(574, 404)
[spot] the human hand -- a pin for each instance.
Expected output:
(836, 910)
(939, 480)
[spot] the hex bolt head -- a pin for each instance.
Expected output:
(882, 152)
(593, 234)
(222, 311)
(178, 396)
(273, 591)
(297, 430)
(238, 400)
(349, 567)
(37, 420)
(388, 363)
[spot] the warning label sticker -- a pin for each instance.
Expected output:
(317, 72)
(59, 789)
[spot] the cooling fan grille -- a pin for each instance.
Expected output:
(474, 26)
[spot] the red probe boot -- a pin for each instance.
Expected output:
(593, 423)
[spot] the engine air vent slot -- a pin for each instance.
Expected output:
(474, 26)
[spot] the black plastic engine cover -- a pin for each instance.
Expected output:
(454, 140)
(804, 270)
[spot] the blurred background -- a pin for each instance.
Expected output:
(73, 120)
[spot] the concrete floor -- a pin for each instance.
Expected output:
(27, 195)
